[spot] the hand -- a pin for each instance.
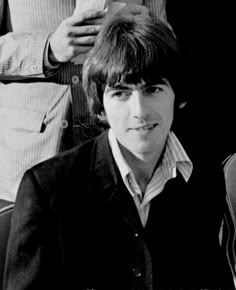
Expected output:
(75, 35)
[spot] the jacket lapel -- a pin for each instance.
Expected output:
(108, 184)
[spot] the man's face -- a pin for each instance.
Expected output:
(140, 115)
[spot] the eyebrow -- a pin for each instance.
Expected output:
(120, 86)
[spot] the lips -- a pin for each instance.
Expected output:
(147, 127)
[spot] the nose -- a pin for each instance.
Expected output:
(138, 105)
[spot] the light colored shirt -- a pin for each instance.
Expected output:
(175, 160)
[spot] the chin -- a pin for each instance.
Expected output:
(142, 149)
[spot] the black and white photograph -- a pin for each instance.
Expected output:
(117, 146)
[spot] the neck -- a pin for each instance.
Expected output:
(143, 165)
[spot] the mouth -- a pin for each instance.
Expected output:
(145, 128)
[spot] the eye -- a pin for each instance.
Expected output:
(118, 94)
(152, 90)
(121, 94)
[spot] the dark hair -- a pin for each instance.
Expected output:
(130, 49)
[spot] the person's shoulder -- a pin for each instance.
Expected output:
(65, 158)
(67, 164)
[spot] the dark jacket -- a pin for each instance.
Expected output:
(75, 226)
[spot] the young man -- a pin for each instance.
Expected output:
(43, 109)
(129, 209)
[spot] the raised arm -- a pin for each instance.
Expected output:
(32, 55)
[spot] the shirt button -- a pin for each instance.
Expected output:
(33, 67)
(75, 79)
(137, 273)
(64, 124)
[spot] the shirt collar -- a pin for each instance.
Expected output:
(174, 157)
(119, 158)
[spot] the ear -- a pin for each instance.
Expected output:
(103, 117)
(182, 105)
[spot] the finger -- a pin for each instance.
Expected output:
(97, 21)
(91, 14)
(82, 49)
(83, 41)
(78, 19)
(87, 30)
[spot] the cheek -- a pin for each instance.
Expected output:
(163, 108)
(165, 111)
(169, 105)
(170, 113)
(113, 113)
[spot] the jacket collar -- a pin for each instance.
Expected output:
(107, 182)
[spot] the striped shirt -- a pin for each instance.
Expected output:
(174, 158)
